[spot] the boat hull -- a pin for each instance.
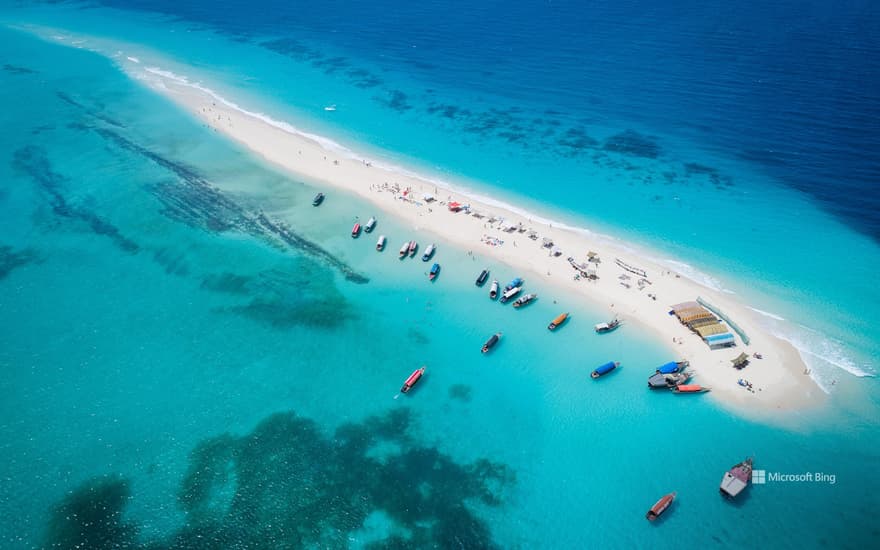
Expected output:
(491, 342)
(356, 231)
(493, 291)
(556, 323)
(604, 369)
(481, 279)
(660, 506)
(412, 380)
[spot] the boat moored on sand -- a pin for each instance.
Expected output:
(602, 370)
(660, 506)
(508, 294)
(493, 290)
(490, 343)
(481, 279)
(319, 198)
(370, 225)
(561, 318)
(523, 300)
(435, 270)
(690, 388)
(672, 366)
(429, 252)
(602, 328)
(380, 244)
(413, 378)
(356, 231)
(736, 479)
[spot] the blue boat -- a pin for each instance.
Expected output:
(513, 284)
(672, 366)
(602, 370)
(435, 269)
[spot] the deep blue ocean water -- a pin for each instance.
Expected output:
(183, 376)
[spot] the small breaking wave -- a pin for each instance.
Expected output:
(696, 275)
(766, 313)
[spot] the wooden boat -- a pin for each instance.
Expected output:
(490, 343)
(435, 269)
(523, 300)
(602, 370)
(736, 479)
(690, 388)
(404, 250)
(370, 225)
(602, 328)
(558, 321)
(429, 252)
(513, 284)
(660, 506)
(493, 290)
(319, 198)
(356, 231)
(481, 279)
(508, 294)
(413, 247)
(380, 244)
(658, 380)
(413, 378)
(673, 366)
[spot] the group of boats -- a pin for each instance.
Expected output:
(674, 376)
(367, 227)
(733, 483)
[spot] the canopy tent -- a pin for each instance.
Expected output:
(454, 206)
(695, 315)
(556, 251)
(740, 360)
(702, 322)
(710, 330)
(684, 305)
(720, 340)
(428, 197)
(548, 242)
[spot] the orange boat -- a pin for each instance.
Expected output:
(660, 506)
(413, 378)
(356, 231)
(689, 388)
(558, 321)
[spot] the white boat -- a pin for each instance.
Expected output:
(493, 290)
(523, 300)
(429, 252)
(510, 294)
(330, 107)
(413, 247)
(371, 223)
(404, 250)
(380, 244)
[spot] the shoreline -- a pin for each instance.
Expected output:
(779, 380)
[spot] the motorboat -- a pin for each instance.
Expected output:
(413, 247)
(561, 318)
(690, 388)
(493, 290)
(523, 300)
(508, 294)
(413, 378)
(429, 252)
(736, 479)
(435, 269)
(602, 328)
(404, 250)
(602, 370)
(660, 506)
(513, 284)
(370, 225)
(319, 198)
(673, 366)
(481, 279)
(490, 343)
(658, 380)
(356, 231)
(380, 244)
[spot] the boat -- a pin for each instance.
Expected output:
(330, 107)
(435, 269)
(513, 284)
(602, 370)
(413, 378)
(493, 290)
(370, 225)
(490, 343)
(319, 198)
(429, 252)
(673, 366)
(658, 380)
(602, 328)
(690, 388)
(736, 479)
(523, 300)
(558, 321)
(380, 244)
(413, 246)
(660, 506)
(356, 231)
(404, 249)
(481, 280)
(508, 294)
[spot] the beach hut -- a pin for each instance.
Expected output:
(593, 257)
(711, 330)
(533, 234)
(740, 361)
(717, 341)
(547, 242)
(428, 197)
(556, 251)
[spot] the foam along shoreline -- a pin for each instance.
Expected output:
(778, 379)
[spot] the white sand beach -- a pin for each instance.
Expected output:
(778, 378)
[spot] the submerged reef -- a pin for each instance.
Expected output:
(287, 484)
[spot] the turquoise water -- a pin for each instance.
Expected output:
(156, 341)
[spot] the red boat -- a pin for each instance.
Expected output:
(660, 507)
(690, 388)
(356, 231)
(413, 378)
